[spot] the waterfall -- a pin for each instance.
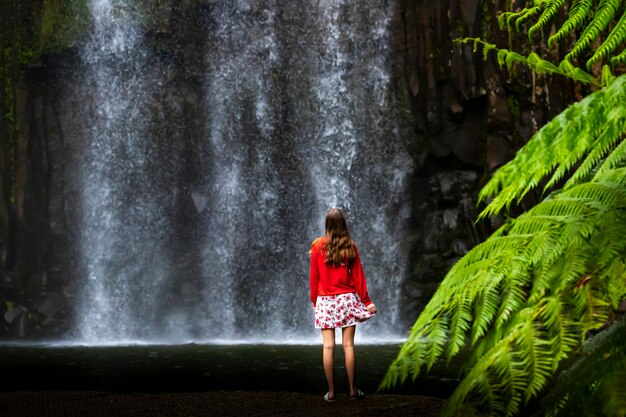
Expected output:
(297, 115)
(357, 153)
(294, 131)
(120, 225)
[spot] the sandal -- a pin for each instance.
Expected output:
(358, 396)
(327, 398)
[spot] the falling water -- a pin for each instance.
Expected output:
(121, 224)
(359, 158)
(297, 116)
(293, 131)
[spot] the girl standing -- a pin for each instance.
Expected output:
(339, 296)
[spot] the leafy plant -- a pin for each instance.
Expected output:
(593, 384)
(526, 297)
(525, 301)
(596, 17)
(508, 58)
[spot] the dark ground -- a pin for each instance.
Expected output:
(214, 403)
(205, 380)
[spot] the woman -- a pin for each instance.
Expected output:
(339, 296)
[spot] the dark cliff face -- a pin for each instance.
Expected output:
(469, 117)
(455, 118)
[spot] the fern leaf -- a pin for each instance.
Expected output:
(532, 12)
(546, 17)
(612, 42)
(526, 297)
(616, 158)
(618, 60)
(460, 324)
(607, 76)
(487, 307)
(606, 141)
(580, 390)
(603, 16)
(577, 15)
(510, 17)
(541, 66)
(615, 176)
(519, 17)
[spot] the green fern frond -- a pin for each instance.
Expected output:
(532, 12)
(518, 17)
(615, 159)
(603, 16)
(460, 323)
(577, 15)
(618, 60)
(541, 66)
(612, 135)
(615, 279)
(526, 297)
(508, 18)
(487, 305)
(569, 70)
(593, 385)
(616, 37)
(607, 76)
(546, 17)
(595, 121)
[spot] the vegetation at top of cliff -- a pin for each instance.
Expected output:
(599, 26)
(538, 301)
(62, 23)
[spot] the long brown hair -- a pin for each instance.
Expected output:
(339, 244)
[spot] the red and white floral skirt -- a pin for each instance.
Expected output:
(341, 310)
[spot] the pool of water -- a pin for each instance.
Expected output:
(201, 367)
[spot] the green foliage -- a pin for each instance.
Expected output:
(546, 17)
(607, 76)
(618, 59)
(577, 15)
(594, 384)
(594, 17)
(612, 42)
(603, 16)
(518, 17)
(540, 66)
(62, 22)
(525, 298)
(585, 132)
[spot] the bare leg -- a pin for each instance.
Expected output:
(328, 336)
(347, 336)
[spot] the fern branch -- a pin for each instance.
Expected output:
(546, 17)
(540, 66)
(526, 297)
(618, 60)
(576, 17)
(611, 43)
(603, 16)
(518, 17)
(593, 385)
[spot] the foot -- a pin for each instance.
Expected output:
(357, 395)
(329, 398)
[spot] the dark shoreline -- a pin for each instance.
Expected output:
(213, 403)
(201, 368)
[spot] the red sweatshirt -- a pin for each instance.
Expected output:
(330, 280)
